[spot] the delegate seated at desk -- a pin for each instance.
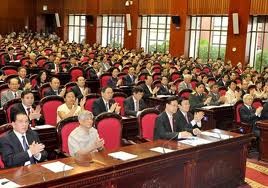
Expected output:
(85, 138)
(167, 125)
(21, 146)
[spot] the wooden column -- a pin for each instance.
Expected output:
(131, 38)
(236, 44)
(178, 44)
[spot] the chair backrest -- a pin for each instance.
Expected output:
(90, 98)
(156, 69)
(2, 58)
(63, 64)
(185, 93)
(75, 72)
(156, 83)
(64, 129)
(41, 61)
(121, 75)
(177, 82)
(142, 76)
(104, 79)
(3, 129)
(33, 80)
(49, 107)
(24, 61)
(42, 89)
(125, 69)
(193, 83)
(236, 109)
(69, 86)
(7, 107)
(222, 90)
(206, 70)
(156, 76)
(110, 129)
(119, 97)
(257, 103)
(174, 76)
(19, 56)
(48, 51)
(10, 70)
(146, 122)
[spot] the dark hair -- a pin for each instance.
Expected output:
(79, 77)
(53, 79)
(170, 99)
(9, 80)
(232, 81)
(199, 83)
(146, 76)
(105, 88)
(14, 116)
(38, 78)
(21, 68)
(68, 92)
(26, 92)
(182, 99)
(137, 89)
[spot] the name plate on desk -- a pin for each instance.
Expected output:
(161, 150)
(212, 107)
(195, 141)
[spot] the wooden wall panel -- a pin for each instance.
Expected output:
(81, 7)
(155, 7)
(259, 7)
(208, 7)
(112, 7)
(53, 6)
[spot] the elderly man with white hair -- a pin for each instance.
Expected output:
(84, 139)
(186, 84)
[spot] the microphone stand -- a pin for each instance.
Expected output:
(165, 143)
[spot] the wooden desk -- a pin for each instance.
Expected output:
(263, 145)
(220, 117)
(156, 102)
(218, 164)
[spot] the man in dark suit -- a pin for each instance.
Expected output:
(198, 99)
(250, 115)
(26, 106)
(147, 87)
(105, 103)
(54, 88)
(21, 146)
(264, 113)
(95, 71)
(80, 90)
(165, 89)
(187, 121)
(134, 104)
(23, 81)
(55, 67)
(224, 81)
(216, 98)
(129, 79)
(10, 56)
(166, 126)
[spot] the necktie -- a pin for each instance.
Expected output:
(57, 69)
(186, 118)
(15, 95)
(22, 83)
(137, 105)
(32, 121)
(171, 123)
(26, 147)
(107, 106)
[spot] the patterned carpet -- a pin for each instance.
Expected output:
(257, 174)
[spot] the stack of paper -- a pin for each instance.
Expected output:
(57, 166)
(7, 183)
(216, 135)
(195, 141)
(161, 150)
(122, 155)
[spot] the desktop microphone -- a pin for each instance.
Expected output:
(165, 143)
(39, 172)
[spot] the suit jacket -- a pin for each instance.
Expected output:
(129, 106)
(183, 124)
(12, 151)
(22, 84)
(221, 83)
(214, 99)
(78, 92)
(162, 129)
(128, 81)
(8, 95)
(51, 66)
(264, 113)
(163, 91)
(99, 106)
(18, 108)
(112, 82)
(7, 58)
(93, 74)
(182, 86)
(248, 116)
(147, 92)
(196, 101)
(50, 91)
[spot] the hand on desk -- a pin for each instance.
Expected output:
(185, 134)
(196, 131)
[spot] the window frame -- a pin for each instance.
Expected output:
(79, 26)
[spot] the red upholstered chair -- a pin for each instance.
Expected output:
(110, 129)
(222, 90)
(240, 127)
(75, 72)
(48, 51)
(24, 61)
(69, 85)
(19, 56)
(157, 83)
(2, 58)
(206, 70)
(33, 80)
(121, 75)
(156, 76)
(193, 83)
(257, 103)
(63, 59)
(146, 122)
(49, 107)
(10, 70)
(118, 64)
(174, 76)
(177, 82)
(90, 98)
(125, 69)
(104, 79)
(157, 64)
(119, 97)
(142, 76)
(41, 61)
(8, 106)
(64, 129)
(185, 93)
(63, 64)
(42, 89)
(3, 129)
(156, 69)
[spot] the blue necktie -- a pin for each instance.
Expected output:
(26, 147)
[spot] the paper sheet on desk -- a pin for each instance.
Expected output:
(122, 155)
(8, 184)
(211, 107)
(164, 96)
(161, 150)
(216, 135)
(195, 141)
(57, 167)
(42, 127)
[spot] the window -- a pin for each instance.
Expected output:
(76, 28)
(155, 32)
(208, 36)
(257, 42)
(112, 31)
